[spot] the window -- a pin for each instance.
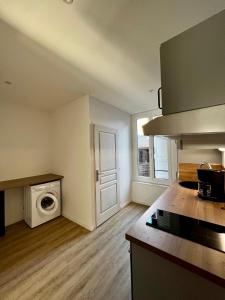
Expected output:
(161, 164)
(153, 155)
(143, 149)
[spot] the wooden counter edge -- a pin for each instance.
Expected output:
(212, 277)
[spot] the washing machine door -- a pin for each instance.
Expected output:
(47, 204)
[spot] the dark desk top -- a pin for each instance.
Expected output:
(22, 182)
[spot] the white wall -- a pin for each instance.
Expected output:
(35, 142)
(146, 193)
(199, 156)
(223, 158)
(24, 150)
(106, 115)
(71, 158)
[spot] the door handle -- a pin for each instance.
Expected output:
(97, 175)
(159, 100)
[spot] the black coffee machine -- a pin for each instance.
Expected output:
(211, 184)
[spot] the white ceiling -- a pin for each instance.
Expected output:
(54, 52)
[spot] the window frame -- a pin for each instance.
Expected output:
(172, 153)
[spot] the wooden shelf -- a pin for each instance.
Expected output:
(27, 181)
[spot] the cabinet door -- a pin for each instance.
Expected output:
(193, 67)
(154, 277)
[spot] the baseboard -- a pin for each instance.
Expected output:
(146, 203)
(8, 223)
(125, 204)
(88, 227)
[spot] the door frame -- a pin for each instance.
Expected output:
(96, 128)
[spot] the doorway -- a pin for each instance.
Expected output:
(107, 173)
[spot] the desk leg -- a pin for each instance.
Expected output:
(2, 213)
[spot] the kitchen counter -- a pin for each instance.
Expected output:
(204, 261)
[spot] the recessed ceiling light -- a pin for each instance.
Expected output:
(8, 82)
(68, 1)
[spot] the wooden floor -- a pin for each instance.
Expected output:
(61, 260)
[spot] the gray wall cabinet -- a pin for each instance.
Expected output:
(193, 67)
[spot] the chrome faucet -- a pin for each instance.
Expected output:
(206, 164)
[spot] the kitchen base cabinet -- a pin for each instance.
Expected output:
(154, 277)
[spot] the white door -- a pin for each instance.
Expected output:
(107, 170)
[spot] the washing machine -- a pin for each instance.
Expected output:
(42, 203)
